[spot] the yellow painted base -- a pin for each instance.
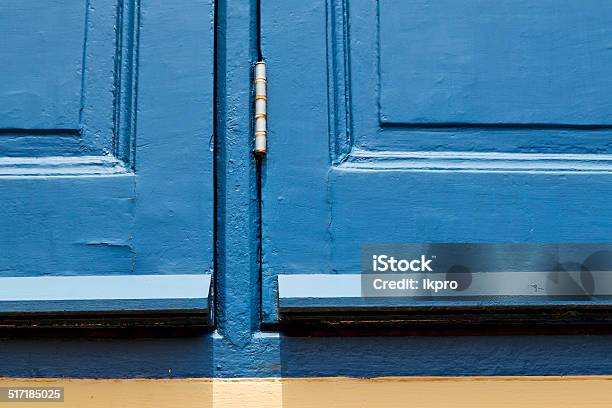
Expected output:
(523, 392)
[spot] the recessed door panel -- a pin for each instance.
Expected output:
(502, 62)
(42, 63)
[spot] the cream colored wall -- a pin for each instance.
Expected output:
(515, 392)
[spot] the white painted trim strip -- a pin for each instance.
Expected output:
(117, 287)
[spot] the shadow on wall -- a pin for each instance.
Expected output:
(109, 355)
(445, 355)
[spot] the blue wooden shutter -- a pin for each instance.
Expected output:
(415, 121)
(106, 122)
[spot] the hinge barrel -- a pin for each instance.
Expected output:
(260, 109)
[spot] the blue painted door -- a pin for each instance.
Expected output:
(106, 128)
(432, 121)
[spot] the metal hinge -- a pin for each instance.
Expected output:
(260, 108)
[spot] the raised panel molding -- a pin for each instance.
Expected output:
(61, 166)
(361, 137)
